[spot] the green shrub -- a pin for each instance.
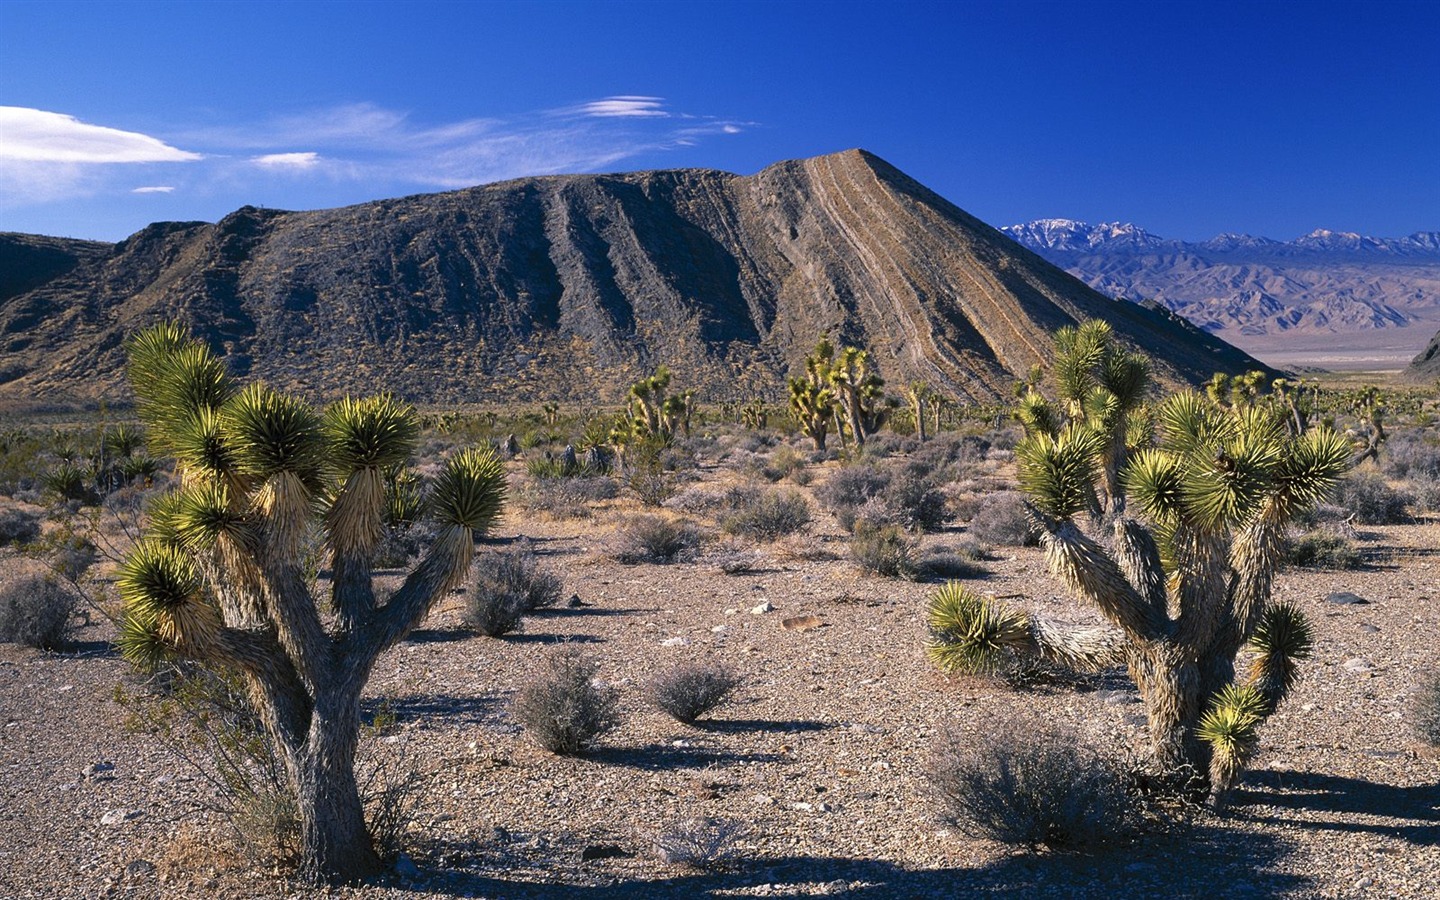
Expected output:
(1322, 549)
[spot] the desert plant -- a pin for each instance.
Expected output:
(561, 707)
(1371, 499)
(1323, 549)
(698, 843)
(222, 575)
(515, 571)
(884, 550)
(654, 539)
(767, 515)
(35, 611)
(568, 498)
(1001, 520)
(1182, 593)
(490, 610)
(18, 526)
(689, 690)
(962, 560)
(1426, 710)
(812, 401)
(1031, 785)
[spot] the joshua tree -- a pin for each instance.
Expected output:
(220, 577)
(859, 392)
(812, 402)
(920, 396)
(654, 413)
(1184, 590)
(1100, 386)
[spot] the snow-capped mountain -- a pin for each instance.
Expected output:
(1245, 286)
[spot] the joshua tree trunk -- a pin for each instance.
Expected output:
(333, 837)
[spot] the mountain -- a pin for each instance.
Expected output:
(1255, 291)
(574, 286)
(1426, 366)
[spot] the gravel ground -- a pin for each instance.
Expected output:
(819, 756)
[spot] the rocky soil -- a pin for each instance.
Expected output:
(820, 756)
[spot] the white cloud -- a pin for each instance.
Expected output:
(628, 106)
(307, 160)
(33, 135)
(154, 189)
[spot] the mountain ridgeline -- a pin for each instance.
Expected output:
(573, 287)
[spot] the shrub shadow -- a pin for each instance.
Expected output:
(736, 726)
(1198, 862)
(420, 707)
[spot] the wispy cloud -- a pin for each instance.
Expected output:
(306, 160)
(628, 106)
(34, 135)
(352, 151)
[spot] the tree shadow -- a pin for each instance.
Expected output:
(89, 650)
(474, 710)
(553, 639)
(559, 612)
(1199, 862)
(1321, 793)
(737, 726)
(438, 635)
(664, 757)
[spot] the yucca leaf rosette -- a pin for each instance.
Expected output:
(164, 594)
(467, 497)
(363, 438)
(1281, 639)
(970, 633)
(1058, 473)
(1231, 727)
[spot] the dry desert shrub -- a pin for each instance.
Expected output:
(562, 708)
(1372, 500)
(766, 515)
(35, 611)
(1031, 785)
(699, 843)
(1427, 709)
(655, 539)
(884, 550)
(689, 690)
(1001, 520)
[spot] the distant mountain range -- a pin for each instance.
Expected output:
(1249, 289)
(575, 286)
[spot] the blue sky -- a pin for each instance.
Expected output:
(1189, 119)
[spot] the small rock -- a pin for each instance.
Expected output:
(140, 867)
(1307, 707)
(604, 851)
(117, 816)
(1369, 629)
(719, 628)
(802, 623)
(1357, 665)
(405, 867)
(762, 609)
(802, 807)
(763, 800)
(101, 771)
(1345, 598)
(732, 611)
(575, 602)
(1365, 882)
(1118, 698)
(675, 642)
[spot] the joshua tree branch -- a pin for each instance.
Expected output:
(1093, 575)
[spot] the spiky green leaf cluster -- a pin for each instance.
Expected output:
(1058, 473)
(971, 633)
(272, 432)
(1230, 724)
(470, 490)
(198, 515)
(158, 578)
(373, 432)
(140, 642)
